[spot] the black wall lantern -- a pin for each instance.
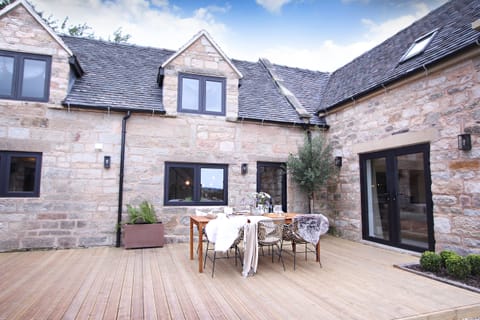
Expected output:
(464, 142)
(106, 162)
(244, 168)
(338, 162)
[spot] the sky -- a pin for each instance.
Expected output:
(320, 35)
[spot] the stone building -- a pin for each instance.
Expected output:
(89, 126)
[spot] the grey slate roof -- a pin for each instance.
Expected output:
(124, 77)
(380, 66)
(116, 76)
(261, 100)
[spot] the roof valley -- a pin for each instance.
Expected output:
(291, 98)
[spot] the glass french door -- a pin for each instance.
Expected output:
(396, 198)
(272, 179)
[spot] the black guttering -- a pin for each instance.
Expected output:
(388, 81)
(292, 124)
(113, 108)
(120, 184)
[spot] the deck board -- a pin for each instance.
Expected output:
(357, 281)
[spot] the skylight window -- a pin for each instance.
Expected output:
(418, 46)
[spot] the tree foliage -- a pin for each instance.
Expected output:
(77, 30)
(312, 166)
(119, 37)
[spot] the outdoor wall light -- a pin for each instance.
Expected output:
(464, 142)
(244, 168)
(106, 162)
(338, 162)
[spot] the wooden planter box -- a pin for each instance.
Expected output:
(143, 235)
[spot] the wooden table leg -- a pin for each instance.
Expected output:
(200, 247)
(191, 239)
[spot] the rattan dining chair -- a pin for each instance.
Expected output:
(270, 235)
(214, 257)
(305, 230)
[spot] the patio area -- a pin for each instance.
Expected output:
(357, 281)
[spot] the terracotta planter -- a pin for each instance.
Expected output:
(143, 235)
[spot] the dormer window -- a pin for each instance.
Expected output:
(24, 76)
(201, 94)
(418, 46)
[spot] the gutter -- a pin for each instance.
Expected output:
(120, 184)
(114, 109)
(272, 122)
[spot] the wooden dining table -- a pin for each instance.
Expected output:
(201, 222)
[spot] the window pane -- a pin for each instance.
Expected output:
(181, 184)
(211, 184)
(213, 96)
(418, 46)
(378, 203)
(22, 174)
(190, 97)
(34, 73)
(6, 75)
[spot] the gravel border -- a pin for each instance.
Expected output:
(434, 277)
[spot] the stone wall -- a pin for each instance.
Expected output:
(78, 197)
(202, 58)
(78, 200)
(435, 107)
(20, 32)
(153, 141)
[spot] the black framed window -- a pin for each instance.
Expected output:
(24, 76)
(201, 94)
(195, 184)
(20, 174)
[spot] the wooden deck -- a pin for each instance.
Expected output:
(357, 281)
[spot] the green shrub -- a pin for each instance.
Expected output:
(474, 260)
(430, 261)
(144, 213)
(445, 254)
(458, 267)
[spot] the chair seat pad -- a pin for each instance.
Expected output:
(310, 227)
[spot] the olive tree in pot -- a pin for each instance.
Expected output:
(312, 166)
(143, 230)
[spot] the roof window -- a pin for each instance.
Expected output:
(418, 46)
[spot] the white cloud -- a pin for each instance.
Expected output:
(274, 6)
(165, 27)
(330, 55)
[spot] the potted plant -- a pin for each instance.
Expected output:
(312, 166)
(143, 230)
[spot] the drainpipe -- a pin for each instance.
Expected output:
(120, 184)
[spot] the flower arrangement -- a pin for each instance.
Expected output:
(257, 201)
(261, 198)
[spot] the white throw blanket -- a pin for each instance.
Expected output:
(250, 255)
(250, 238)
(223, 231)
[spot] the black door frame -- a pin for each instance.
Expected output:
(278, 165)
(392, 181)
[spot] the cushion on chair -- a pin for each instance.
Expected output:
(270, 231)
(310, 227)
